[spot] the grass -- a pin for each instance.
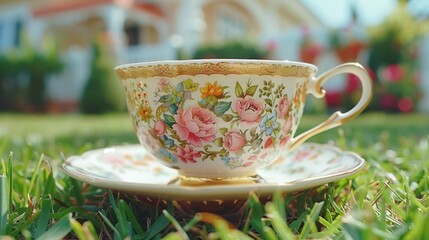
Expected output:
(388, 199)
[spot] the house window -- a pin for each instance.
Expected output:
(133, 34)
(2, 33)
(231, 24)
(17, 32)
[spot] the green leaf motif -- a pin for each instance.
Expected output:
(251, 90)
(211, 100)
(190, 85)
(256, 144)
(221, 107)
(218, 142)
(173, 109)
(223, 130)
(238, 90)
(226, 117)
(253, 131)
(166, 98)
(169, 120)
(269, 102)
(180, 87)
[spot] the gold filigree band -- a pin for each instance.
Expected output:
(209, 68)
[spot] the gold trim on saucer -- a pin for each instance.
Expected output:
(209, 68)
(195, 181)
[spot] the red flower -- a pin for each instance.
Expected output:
(405, 104)
(353, 84)
(388, 102)
(333, 99)
(393, 73)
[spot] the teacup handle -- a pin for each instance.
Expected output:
(338, 118)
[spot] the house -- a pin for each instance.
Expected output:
(145, 30)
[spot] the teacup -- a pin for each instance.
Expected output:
(223, 119)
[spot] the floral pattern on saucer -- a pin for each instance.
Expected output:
(130, 168)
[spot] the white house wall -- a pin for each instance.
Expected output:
(424, 74)
(8, 17)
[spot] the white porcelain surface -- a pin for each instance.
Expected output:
(131, 169)
(227, 118)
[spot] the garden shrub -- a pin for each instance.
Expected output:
(6, 69)
(39, 66)
(230, 50)
(102, 92)
(393, 62)
(34, 66)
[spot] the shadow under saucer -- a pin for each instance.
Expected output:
(234, 211)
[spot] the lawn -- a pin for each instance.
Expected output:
(388, 199)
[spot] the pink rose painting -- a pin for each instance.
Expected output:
(288, 124)
(159, 128)
(233, 140)
(187, 154)
(249, 109)
(283, 108)
(195, 125)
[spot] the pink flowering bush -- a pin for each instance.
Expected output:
(397, 89)
(393, 60)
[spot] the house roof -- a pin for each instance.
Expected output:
(55, 7)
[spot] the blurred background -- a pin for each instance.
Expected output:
(57, 56)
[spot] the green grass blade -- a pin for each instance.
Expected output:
(420, 230)
(89, 229)
(43, 218)
(192, 222)
(78, 229)
(77, 191)
(49, 182)
(257, 213)
(359, 230)
(3, 204)
(160, 224)
(173, 236)
(311, 219)
(278, 222)
(333, 227)
(294, 226)
(176, 225)
(36, 172)
(9, 173)
(58, 231)
(225, 233)
(109, 224)
(119, 210)
(126, 231)
(269, 233)
(64, 211)
(279, 203)
(132, 218)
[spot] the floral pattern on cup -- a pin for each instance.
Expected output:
(194, 122)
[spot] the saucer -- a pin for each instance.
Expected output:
(131, 169)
